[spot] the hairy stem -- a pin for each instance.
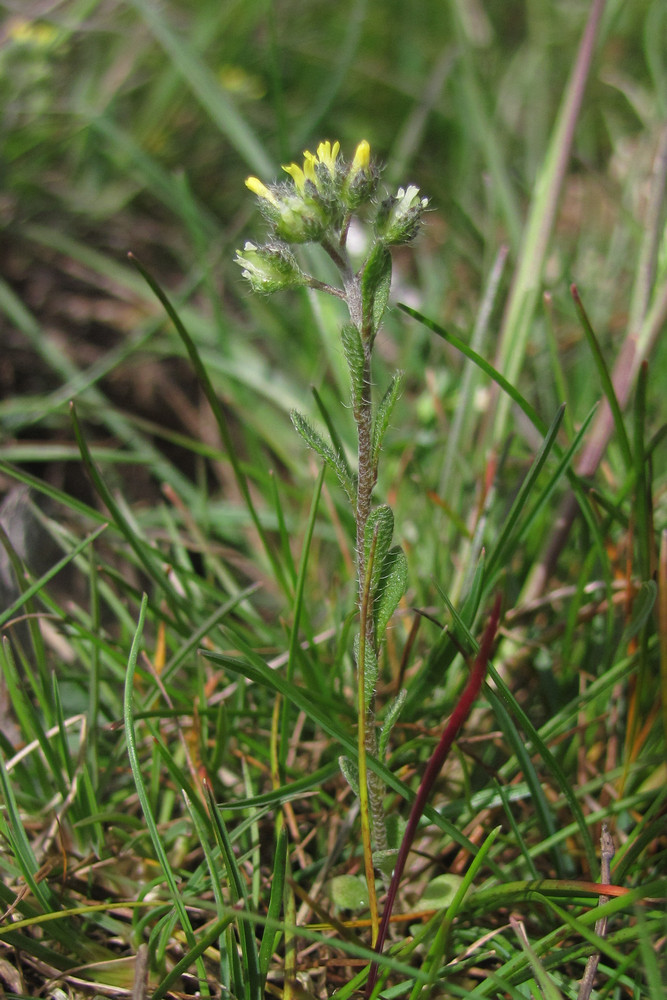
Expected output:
(365, 485)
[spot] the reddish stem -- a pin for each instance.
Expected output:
(433, 768)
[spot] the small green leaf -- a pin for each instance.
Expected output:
(348, 892)
(383, 415)
(375, 287)
(393, 584)
(390, 718)
(385, 861)
(354, 355)
(350, 772)
(440, 891)
(370, 668)
(325, 451)
(334, 436)
(382, 520)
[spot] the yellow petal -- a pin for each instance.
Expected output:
(362, 157)
(297, 175)
(309, 162)
(261, 190)
(327, 155)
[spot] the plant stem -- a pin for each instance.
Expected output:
(366, 477)
(365, 485)
(458, 717)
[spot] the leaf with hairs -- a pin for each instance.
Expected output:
(381, 522)
(383, 415)
(350, 772)
(370, 667)
(354, 355)
(325, 451)
(375, 287)
(393, 584)
(390, 718)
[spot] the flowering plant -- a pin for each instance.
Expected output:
(317, 205)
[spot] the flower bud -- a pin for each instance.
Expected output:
(296, 216)
(362, 177)
(399, 218)
(320, 170)
(269, 268)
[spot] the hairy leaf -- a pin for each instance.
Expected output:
(325, 451)
(393, 585)
(354, 355)
(383, 415)
(350, 772)
(390, 718)
(375, 286)
(370, 668)
(381, 519)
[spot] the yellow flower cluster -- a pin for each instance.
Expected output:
(326, 156)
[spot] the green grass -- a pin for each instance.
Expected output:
(179, 667)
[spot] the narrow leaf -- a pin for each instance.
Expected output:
(604, 376)
(133, 757)
(267, 946)
(390, 718)
(325, 451)
(393, 584)
(370, 667)
(375, 287)
(354, 355)
(383, 415)
(381, 519)
(350, 772)
(507, 534)
(333, 433)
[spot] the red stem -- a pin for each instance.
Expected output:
(433, 768)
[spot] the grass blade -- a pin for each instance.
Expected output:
(130, 736)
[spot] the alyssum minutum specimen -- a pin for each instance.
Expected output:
(317, 205)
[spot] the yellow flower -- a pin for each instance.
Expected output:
(361, 180)
(362, 158)
(298, 175)
(261, 190)
(326, 156)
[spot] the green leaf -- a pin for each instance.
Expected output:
(383, 415)
(381, 519)
(440, 891)
(336, 442)
(348, 892)
(354, 355)
(508, 535)
(325, 451)
(393, 585)
(370, 668)
(390, 718)
(269, 934)
(375, 286)
(350, 772)
(177, 900)
(605, 379)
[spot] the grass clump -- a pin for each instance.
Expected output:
(183, 581)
